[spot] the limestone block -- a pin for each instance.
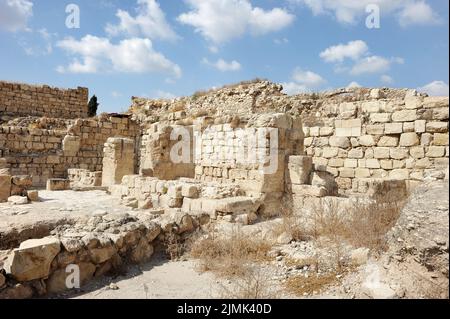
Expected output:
(423, 163)
(341, 142)
(380, 117)
(441, 114)
(375, 129)
(32, 259)
(336, 162)
(351, 163)
(56, 283)
(190, 191)
(346, 172)
(356, 153)
(299, 169)
(404, 116)
(386, 164)
(420, 126)
(408, 127)
(58, 184)
(18, 200)
(409, 139)
(398, 153)
(309, 190)
(440, 139)
(437, 127)
(388, 141)
(436, 151)
(362, 173)
(359, 256)
(381, 152)
(367, 140)
(371, 106)
(393, 128)
(118, 160)
(71, 145)
(373, 163)
(417, 152)
(5, 187)
(326, 180)
(326, 131)
(330, 152)
(435, 101)
(400, 174)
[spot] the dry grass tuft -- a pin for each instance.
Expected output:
(253, 285)
(312, 284)
(229, 256)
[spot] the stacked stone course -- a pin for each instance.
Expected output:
(24, 100)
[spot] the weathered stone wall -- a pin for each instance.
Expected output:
(45, 154)
(403, 139)
(354, 134)
(32, 100)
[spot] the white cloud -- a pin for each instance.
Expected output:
(435, 88)
(353, 84)
(159, 94)
(281, 41)
(374, 64)
(223, 65)
(386, 79)
(303, 82)
(37, 43)
(292, 88)
(150, 21)
(307, 78)
(408, 12)
(220, 21)
(133, 55)
(338, 53)
(14, 14)
(419, 13)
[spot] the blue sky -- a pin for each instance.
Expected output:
(174, 48)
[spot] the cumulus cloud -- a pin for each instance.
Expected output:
(149, 21)
(303, 81)
(419, 13)
(14, 14)
(220, 21)
(353, 84)
(435, 88)
(407, 12)
(338, 53)
(374, 64)
(134, 55)
(223, 65)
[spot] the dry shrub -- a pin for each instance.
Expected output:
(361, 224)
(229, 256)
(314, 283)
(253, 285)
(174, 246)
(177, 107)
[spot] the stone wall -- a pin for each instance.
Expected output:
(45, 154)
(403, 139)
(32, 100)
(353, 134)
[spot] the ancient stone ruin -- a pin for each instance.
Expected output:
(238, 155)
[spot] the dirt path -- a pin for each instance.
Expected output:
(161, 278)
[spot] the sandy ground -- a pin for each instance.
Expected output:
(159, 279)
(56, 206)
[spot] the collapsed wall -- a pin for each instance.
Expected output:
(18, 99)
(49, 153)
(353, 134)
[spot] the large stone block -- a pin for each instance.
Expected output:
(5, 187)
(404, 116)
(299, 169)
(409, 139)
(393, 128)
(32, 259)
(437, 127)
(367, 140)
(118, 160)
(388, 141)
(341, 142)
(58, 184)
